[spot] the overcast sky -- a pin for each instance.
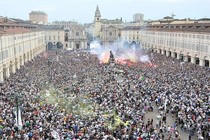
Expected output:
(83, 10)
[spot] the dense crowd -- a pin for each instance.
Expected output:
(127, 93)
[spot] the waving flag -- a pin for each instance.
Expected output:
(45, 55)
(55, 135)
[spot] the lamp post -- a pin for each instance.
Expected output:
(17, 109)
(16, 98)
(1, 70)
(49, 63)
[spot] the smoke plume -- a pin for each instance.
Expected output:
(122, 52)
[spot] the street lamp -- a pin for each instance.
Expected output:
(2, 77)
(17, 97)
(17, 110)
(49, 63)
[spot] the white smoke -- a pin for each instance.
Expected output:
(144, 58)
(120, 50)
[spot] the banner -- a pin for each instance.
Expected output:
(18, 121)
(55, 135)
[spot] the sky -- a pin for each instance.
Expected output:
(83, 11)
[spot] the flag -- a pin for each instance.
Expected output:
(57, 58)
(18, 122)
(45, 54)
(126, 123)
(55, 135)
(141, 77)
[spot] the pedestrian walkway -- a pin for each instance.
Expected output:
(169, 122)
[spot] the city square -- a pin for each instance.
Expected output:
(105, 80)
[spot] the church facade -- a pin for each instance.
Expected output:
(75, 35)
(107, 32)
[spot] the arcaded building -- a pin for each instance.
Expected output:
(54, 37)
(19, 42)
(186, 42)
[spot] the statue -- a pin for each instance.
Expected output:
(111, 58)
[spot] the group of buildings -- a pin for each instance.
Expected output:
(185, 39)
(20, 41)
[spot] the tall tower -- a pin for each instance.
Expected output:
(97, 22)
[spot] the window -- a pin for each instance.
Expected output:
(197, 48)
(14, 50)
(77, 33)
(206, 49)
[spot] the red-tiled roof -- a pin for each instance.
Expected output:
(195, 27)
(6, 20)
(16, 30)
(10, 26)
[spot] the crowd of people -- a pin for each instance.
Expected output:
(120, 99)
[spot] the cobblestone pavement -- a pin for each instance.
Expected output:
(169, 121)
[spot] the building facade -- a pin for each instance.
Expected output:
(106, 31)
(89, 29)
(38, 17)
(19, 43)
(187, 42)
(75, 35)
(54, 37)
(131, 35)
(138, 17)
(171, 20)
(64, 24)
(76, 38)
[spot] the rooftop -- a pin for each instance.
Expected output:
(38, 12)
(15, 26)
(112, 21)
(194, 27)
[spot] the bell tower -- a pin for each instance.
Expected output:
(97, 22)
